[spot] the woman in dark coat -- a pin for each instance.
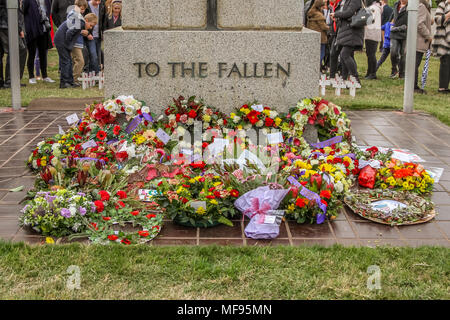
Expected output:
(37, 32)
(114, 15)
(350, 39)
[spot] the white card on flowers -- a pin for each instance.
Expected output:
(73, 118)
(198, 204)
(275, 138)
(89, 144)
(163, 136)
(258, 107)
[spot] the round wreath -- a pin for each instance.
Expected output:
(417, 209)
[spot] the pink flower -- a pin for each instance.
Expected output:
(184, 118)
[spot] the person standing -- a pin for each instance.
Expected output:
(316, 22)
(5, 81)
(96, 7)
(114, 18)
(37, 33)
(398, 38)
(77, 51)
(424, 38)
(386, 13)
(386, 28)
(441, 44)
(334, 49)
(372, 36)
(349, 38)
(59, 10)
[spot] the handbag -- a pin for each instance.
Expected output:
(44, 19)
(362, 18)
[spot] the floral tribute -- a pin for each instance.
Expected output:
(115, 174)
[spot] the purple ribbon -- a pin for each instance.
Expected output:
(136, 121)
(312, 196)
(89, 159)
(112, 141)
(327, 143)
(317, 153)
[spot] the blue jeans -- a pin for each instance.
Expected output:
(65, 64)
(94, 47)
(323, 47)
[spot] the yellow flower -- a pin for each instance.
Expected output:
(49, 240)
(239, 127)
(64, 151)
(43, 163)
(383, 186)
(201, 211)
(278, 121)
(327, 149)
(266, 112)
(192, 181)
(206, 118)
(214, 201)
(218, 183)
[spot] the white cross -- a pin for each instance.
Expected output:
(89, 80)
(84, 80)
(338, 86)
(323, 82)
(353, 85)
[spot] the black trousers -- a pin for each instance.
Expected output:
(398, 56)
(444, 72)
(419, 57)
(384, 55)
(42, 44)
(371, 51)
(335, 50)
(348, 62)
(4, 49)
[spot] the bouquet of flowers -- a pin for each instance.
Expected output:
(255, 115)
(404, 176)
(197, 200)
(57, 213)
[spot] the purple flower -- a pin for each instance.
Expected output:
(82, 211)
(65, 213)
(50, 199)
(81, 194)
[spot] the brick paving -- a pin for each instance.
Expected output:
(420, 133)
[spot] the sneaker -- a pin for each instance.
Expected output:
(393, 75)
(32, 81)
(371, 77)
(49, 80)
(38, 78)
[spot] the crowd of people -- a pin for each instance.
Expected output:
(74, 27)
(387, 33)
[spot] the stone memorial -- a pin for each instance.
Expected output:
(226, 51)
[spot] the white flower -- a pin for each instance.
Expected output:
(340, 122)
(41, 143)
(190, 122)
(236, 119)
(54, 161)
(34, 164)
(220, 122)
(260, 123)
(273, 114)
(172, 117)
(181, 131)
(314, 162)
(339, 187)
(129, 110)
(131, 151)
(72, 210)
(111, 106)
(145, 109)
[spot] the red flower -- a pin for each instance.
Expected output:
(106, 218)
(198, 165)
(253, 116)
(300, 202)
(122, 194)
(116, 130)
(294, 191)
(121, 156)
(151, 215)
(143, 233)
(113, 237)
(205, 145)
(186, 185)
(336, 111)
(324, 202)
(269, 122)
(99, 205)
(101, 135)
(94, 225)
(217, 194)
(104, 195)
(121, 204)
(304, 111)
(184, 200)
(125, 241)
(234, 193)
(325, 194)
(210, 197)
(134, 213)
(178, 116)
(316, 178)
(192, 114)
(157, 227)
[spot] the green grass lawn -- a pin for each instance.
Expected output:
(146, 272)
(383, 93)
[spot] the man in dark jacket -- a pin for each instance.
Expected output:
(350, 39)
(4, 46)
(59, 10)
(335, 50)
(93, 51)
(398, 38)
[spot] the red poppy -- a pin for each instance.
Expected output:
(151, 215)
(178, 116)
(99, 205)
(324, 202)
(325, 194)
(104, 195)
(106, 218)
(121, 156)
(269, 122)
(94, 225)
(198, 165)
(125, 241)
(300, 202)
(210, 197)
(143, 233)
(192, 114)
(122, 194)
(186, 185)
(101, 135)
(157, 227)
(113, 237)
(253, 116)
(184, 200)
(116, 130)
(134, 213)
(234, 193)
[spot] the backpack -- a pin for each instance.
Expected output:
(362, 18)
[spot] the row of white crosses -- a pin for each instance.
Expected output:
(89, 80)
(338, 83)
